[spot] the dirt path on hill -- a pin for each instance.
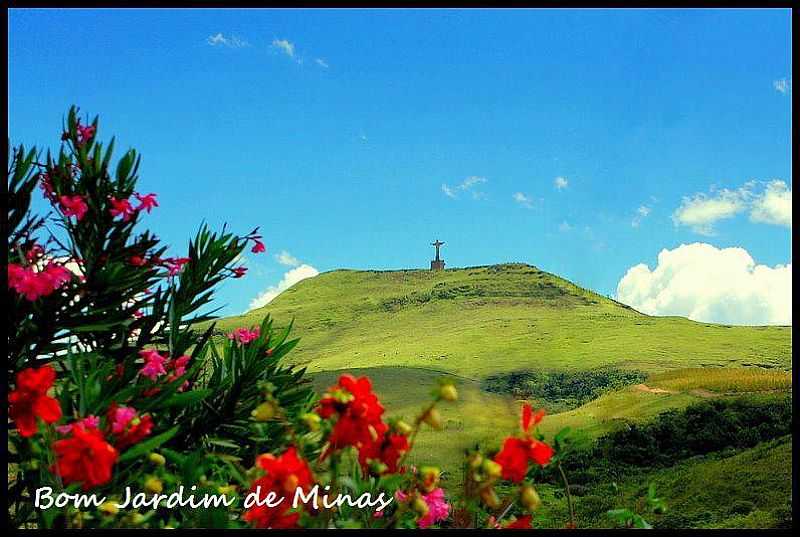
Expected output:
(648, 389)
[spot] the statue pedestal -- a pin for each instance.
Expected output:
(437, 264)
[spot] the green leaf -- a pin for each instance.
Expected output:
(148, 445)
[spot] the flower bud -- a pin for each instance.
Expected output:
(153, 485)
(429, 478)
(264, 412)
(376, 467)
(312, 420)
(434, 419)
(475, 460)
(157, 459)
(403, 428)
(227, 489)
(492, 469)
(448, 392)
(529, 498)
(489, 497)
(109, 508)
(420, 506)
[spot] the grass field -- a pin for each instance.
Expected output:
(478, 321)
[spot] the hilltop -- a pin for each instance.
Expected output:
(478, 321)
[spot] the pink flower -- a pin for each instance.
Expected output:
(89, 422)
(121, 207)
(146, 202)
(34, 253)
(438, 508)
(244, 335)
(179, 364)
(46, 184)
(33, 285)
(238, 272)
(258, 247)
(121, 417)
(85, 133)
(73, 206)
(175, 264)
(153, 364)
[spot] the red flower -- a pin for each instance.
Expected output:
(238, 272)
(175, 264)
(30, 400)
(282, 475)
(73, 206)
(84, 457)
(137, 261)
(517, 452)
(121, 207)
(529, 418)
(359, 413)
(146, 202)
(388, 451)
(522, 523)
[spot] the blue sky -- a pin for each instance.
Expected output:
(342, 132)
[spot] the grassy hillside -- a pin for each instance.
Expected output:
(483, 320)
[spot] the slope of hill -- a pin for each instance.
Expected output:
(483, 320)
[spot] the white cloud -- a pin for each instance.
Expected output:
(708, 284)
(522, 199)
(774, 206)
(701, 212)
(290, 278)
(641, 213)
(232, 41)
(564, 227)
(560, 183)
(285, 46)
(285, 258)
(782, 85)
(322, 63)
(467, 185)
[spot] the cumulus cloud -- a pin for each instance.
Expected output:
(290, 278)
(467, 185)
(220, 39)
(774, 206)
(322, 63)
(709, 284)
(285, 258)
(782, 85)
(523, 200)
(560, 183)
(701, 211)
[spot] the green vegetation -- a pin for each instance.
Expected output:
(558, 391)
(481, 321)
(724, 380)
(622, 379)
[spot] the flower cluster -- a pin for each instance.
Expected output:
(30, 400)
(359, 423)
(282, 476)
(33, 283)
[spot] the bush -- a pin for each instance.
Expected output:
(113, 386)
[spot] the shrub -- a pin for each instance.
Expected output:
(113, 386)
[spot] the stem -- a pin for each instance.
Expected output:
(569, 495)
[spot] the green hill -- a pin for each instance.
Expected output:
(509, 332)
(479, 321)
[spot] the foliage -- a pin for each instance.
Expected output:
(559, 391)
